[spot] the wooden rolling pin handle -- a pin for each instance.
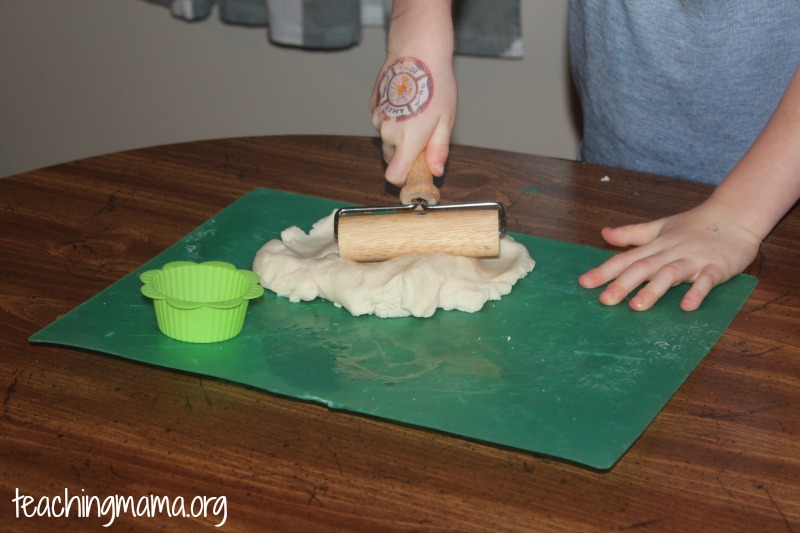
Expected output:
(419, 184)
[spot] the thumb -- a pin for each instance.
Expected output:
(633, 234)
(437, 151)
(436, 157)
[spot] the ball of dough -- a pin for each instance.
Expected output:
(303, 267)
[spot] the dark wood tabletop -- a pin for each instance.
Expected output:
(724, 454)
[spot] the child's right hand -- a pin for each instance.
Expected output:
(413, 102)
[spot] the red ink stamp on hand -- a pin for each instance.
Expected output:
(405, 89)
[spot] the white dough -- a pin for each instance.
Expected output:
(304, 266)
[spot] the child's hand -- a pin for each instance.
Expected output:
(413, 107)
(705, 246)
(413, 102)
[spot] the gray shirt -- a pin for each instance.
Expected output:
(680, 87)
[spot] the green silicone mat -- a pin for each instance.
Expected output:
(547, 369)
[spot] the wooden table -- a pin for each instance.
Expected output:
(723, 455)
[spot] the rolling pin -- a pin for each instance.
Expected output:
(420, 225)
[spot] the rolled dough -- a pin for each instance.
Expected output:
(303, 266)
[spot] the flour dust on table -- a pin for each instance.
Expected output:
(302, 267)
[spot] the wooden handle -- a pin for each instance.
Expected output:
(469, 232)
(419, 184)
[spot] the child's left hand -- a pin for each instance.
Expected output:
(705, 246)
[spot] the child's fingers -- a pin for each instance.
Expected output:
(664, 279)
(399, 166)
(629, 273)
(632, 235)
(614, 267)
(709, 277)
(625, 282)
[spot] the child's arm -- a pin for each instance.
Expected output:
(413, 103)
(719, 238)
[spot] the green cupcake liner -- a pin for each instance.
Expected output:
(200, 302)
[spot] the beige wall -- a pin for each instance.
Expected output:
(87, 77)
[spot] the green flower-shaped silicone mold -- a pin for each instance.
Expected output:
(200, 302)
